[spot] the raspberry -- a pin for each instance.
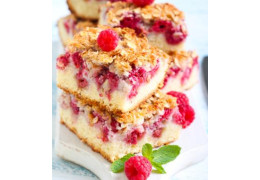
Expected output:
(74, 107)
(161, 26)
(138, 168)
(62, 61)
(188, 115)
(182, 99)
(120, 0)
(107, 40)
(175, 35)
(105, 134)
(132, 21)
(134, 136)
(142, 2)
(77, 60)
(114, 124)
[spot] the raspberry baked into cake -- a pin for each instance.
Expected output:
(113, 68)
(183, 72)
(70, 25)
(163, 24)
(157, 121)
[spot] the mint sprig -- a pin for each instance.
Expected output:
(119, 165)
(157, 158)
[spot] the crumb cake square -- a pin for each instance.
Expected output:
(157, 121)
(117, 80)
(85, 9)
(68, 26)
(163, 24)
(183, 72)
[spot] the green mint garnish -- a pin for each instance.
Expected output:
(119, 165)
(147, 151)
(166, 154)
(157, 158)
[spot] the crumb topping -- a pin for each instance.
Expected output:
(182, 58)
(148, 13)
(146, 110)
(80, 24)
(131, 49)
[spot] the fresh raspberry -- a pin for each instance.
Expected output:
(161, 26)
(182, 99)
(188, 115)
(108, 40)
(120, 0)
(62, 61)
(142, 2)
(138, 168)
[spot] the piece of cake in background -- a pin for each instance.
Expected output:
(183, 72)
(87, 9)
(157, 121)
(163, 24)
(112, 67)
(70, 25)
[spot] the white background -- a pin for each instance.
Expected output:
(25, 42)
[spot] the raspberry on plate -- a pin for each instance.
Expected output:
(138, 168)
(183, 72)
(163, 24)
(117, 80)
(107, 40)
(156, 121)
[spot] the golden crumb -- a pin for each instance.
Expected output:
(149, 13)
(131, 49)
(182, 58)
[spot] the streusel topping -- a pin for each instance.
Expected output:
(182, 58)
(148, 13)
(131, 49)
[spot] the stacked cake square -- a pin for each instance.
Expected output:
(120, 77)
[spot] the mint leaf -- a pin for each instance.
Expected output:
(166, 154)
(147, 151)
(119, 164)
(158, 167)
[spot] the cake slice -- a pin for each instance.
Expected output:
(85, 9)
(118, 79)
(157, 121)
(70, 25)
(163, 24)
(183, 72)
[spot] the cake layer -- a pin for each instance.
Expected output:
(85, 9)
(183, 72)
(70, 25)
(115, 135)
(117, 80)
(163, 24)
